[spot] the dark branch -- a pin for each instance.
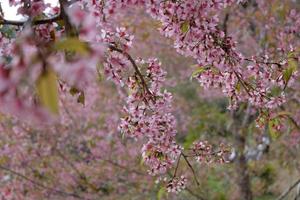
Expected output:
(224, 25)
(194, 194)
(191, 167)
(177, 165)
(288, 190)
(266, 63)
(136, 68)
(37, 22)
(40, 184)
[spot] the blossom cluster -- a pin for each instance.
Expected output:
(148, 114)
(205, 153)
(88, 43)
(177, 184)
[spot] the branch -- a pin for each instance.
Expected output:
(38, 184)
(123, 167)
(136, 68)
(294, 122)
(194, 194)
(262, 62)
(177, 165)
(243, 83)
(81, 176)
(1, 11)
(191, 167)
(287, 191)
(69, 28)
(225, 23)
(37, 22)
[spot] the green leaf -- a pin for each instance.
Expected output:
(272, 130)
(185, 26)
(47, 91)
(74, 91)
(197, 72)
(7, 31)
(275, 91)
(287, 73)
(73, 45)
(81, 97)
(161, 193)
(201, 69)
(60, 22)
(142, 161)
(238, 86)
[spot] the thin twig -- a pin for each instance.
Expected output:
(243, 83)
(38, 184)
(288, 190)
(294, 122)
(262, 62)
(136, 68)
(177, 165)
(194, 194)
(123, 167)
(191, 167)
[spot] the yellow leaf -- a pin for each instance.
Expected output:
(47, 90)
(4, 160)
(288, 72)
(185, 26)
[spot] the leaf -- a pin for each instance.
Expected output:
(73, 45)
(47, 91)
(81, 97)
(238, 86)
(185, 26)
(3, 160)
(275, 91)
(60, 23)
(8, 31)
(52, 35)
(74, 91)
(161, 193)
(198, 71)
(142, 161)
(287, 73)
(274, 133)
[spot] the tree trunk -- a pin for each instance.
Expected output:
(243, 179)
(240, 127)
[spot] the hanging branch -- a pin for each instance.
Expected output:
(136, 68)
